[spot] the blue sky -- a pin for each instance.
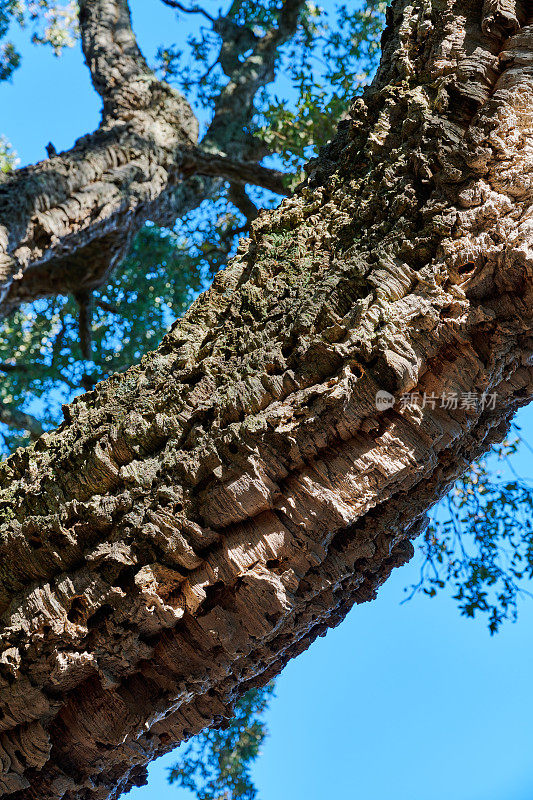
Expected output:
(411, 702)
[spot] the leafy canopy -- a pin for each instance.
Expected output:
(479, 543)
(52, 23)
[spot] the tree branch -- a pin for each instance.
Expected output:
(193, 10)
(238, 196)
(69, 219)
(21, 420)
(65, 225)
(105, 306)
(234, 106)
(118, 69)
(196, 161)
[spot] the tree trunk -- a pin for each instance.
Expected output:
(199, 520)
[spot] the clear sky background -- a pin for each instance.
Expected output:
(400, 702)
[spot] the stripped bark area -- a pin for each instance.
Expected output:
(201, 519)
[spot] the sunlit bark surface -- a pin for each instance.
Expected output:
(201, 519)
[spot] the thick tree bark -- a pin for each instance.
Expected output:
(199, 520)
(67, 221)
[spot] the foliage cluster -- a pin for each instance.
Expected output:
(479, 544)
(52, 23)
(215, 765)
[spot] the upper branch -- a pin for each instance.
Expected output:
(192, 10)
(67, 221)
(117, 66)
(197, 161)
(234, 107)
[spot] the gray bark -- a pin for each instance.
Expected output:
(201, 519)
(20, 420)
(66, 222)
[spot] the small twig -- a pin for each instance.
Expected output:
(525, 443)
(206, 75)
(84, 300)
(193, 10)
(105, 306)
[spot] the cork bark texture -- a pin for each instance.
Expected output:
(66, 222)
(201, 519)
